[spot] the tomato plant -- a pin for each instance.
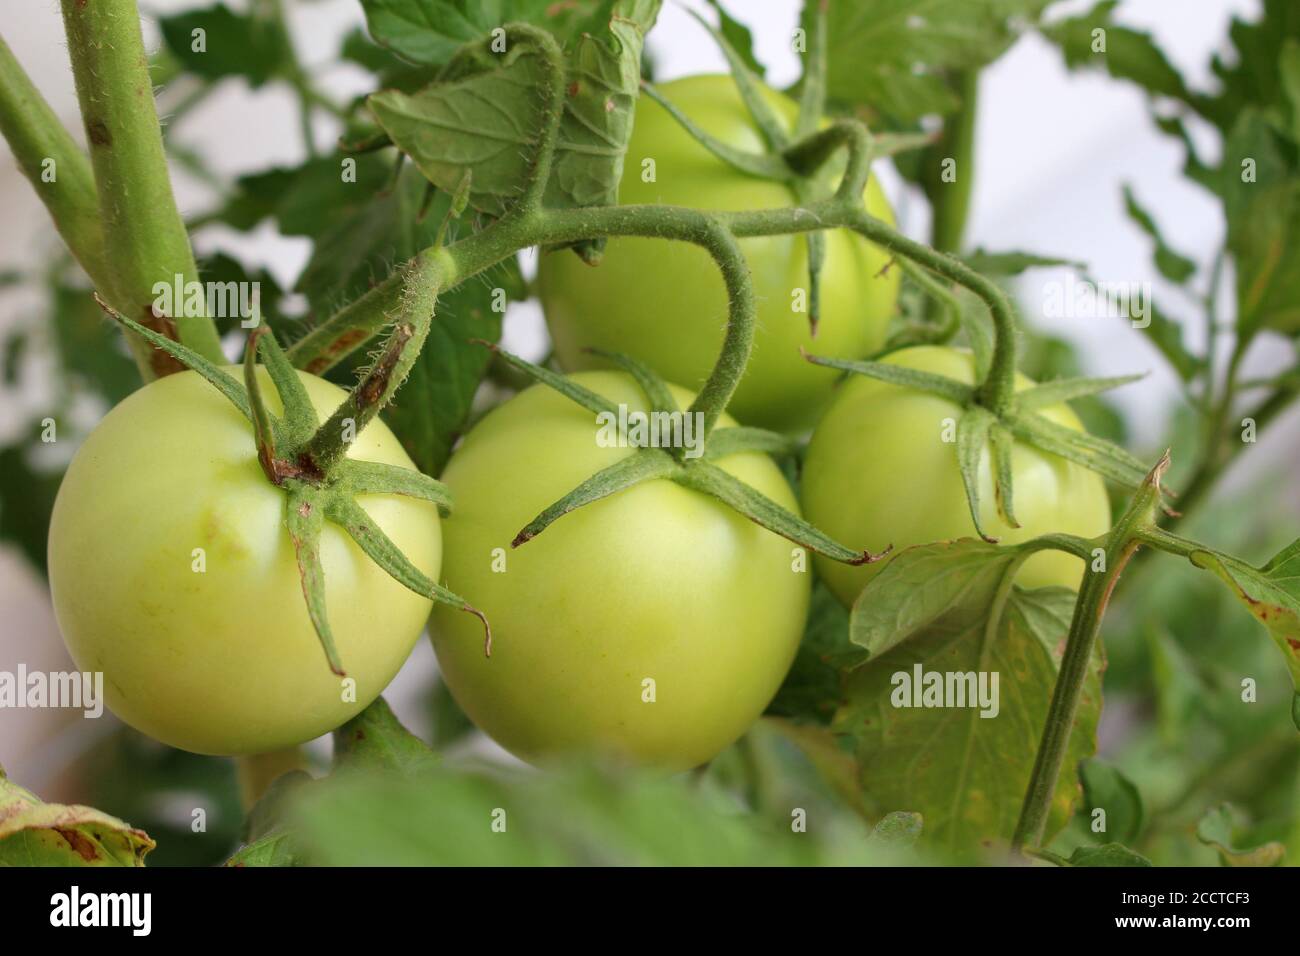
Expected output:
(656, 623)
(882, 467)
(171, 573)
(821, 507)
(664, 302)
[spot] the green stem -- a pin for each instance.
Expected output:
(45, 150)
(951, 200)
(144, 238)
(257, 772)
(1094, 596)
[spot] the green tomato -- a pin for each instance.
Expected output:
(654, 624)
(882, 469)
(665, 302)
(212, 650)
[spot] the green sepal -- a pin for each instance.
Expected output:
(762, 165)
(1001, 444)
(1107, 459)
(1063, 390)
(645, 464)
(972, 437)
(561, 383)
(352, 518)
(940, 385)
(376, 478)
(743, 438)
(705, 477)
(750, 87)
(226, 384)
(299, 413)
(816, 259)
(655, 388)
(263, 426)
(305, 517)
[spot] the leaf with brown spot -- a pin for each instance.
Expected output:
(33, 833)
(1272, 594)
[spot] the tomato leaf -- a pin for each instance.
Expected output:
(945, 609)
(376, 740)
(33, 833)
(1272, 594)
(1106, 788)
(1219, 829)
(1108, 854)
(812, 685)
(1172, 265)
(891, 55)
(216, 43)
(1093, 40)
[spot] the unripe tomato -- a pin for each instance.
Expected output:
(655, 623)
(665, 302)
(882, 469)
(172, 572)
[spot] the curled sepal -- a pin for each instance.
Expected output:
(743, 438)
(656, 390)
(352, 518)
(972, 436)
(299, 413)
(750, 87)
(643, 465)
(1063, 390)
(305, 517)
(376, 478)
(215, 375)
(1108, 460)
(940, 385)
(1001, 443)
(263, 425)
(763, 165)
(708, 478)
(561, 383)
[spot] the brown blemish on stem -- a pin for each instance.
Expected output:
(340, 346)
(98, 133)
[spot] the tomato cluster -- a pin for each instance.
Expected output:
(656, 622)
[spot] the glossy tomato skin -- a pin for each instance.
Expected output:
(222, 661)
(878, 472)
(665, 302)
(656, 583)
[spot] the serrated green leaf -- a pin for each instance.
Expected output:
(228, 44)
(1108, 854)
(964, 773)
(376, 740)
(1093, 40)
(1172, 265)
(891, 55)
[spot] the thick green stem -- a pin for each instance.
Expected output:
(951, 200)
(1094, 596)
(56, 167)
(144, 237)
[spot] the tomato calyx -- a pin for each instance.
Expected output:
(700, 474)
(979, 426)
(308, 460)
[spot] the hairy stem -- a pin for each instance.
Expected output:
(145, 241)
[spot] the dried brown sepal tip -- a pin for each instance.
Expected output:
(868, 558)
